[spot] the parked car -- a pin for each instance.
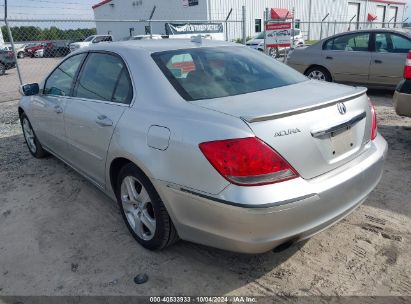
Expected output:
(373, 57)
(19, 50)
(402, 95)
(7, 61)
(57, 49)
(31, 50)
(90, 40)
(258, 42)
(238, 151)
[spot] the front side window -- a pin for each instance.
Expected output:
(104, 77)
(205, 73)
(350, 43)
(60, 82)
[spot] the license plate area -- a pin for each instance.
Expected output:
(342, 141)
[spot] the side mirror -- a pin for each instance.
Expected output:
(29, 89)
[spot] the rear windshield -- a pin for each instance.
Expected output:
(206, 73)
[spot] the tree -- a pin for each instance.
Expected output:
(32, 33)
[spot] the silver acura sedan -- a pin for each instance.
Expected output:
(207, 141)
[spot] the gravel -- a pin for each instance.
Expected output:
(59, 235)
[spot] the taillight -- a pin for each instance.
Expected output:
(407, 68)
(374, 127)
(10, 54)
(247, 161)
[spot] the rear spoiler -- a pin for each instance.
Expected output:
(359, 91)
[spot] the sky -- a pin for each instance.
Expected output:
(49, 9)
(65, 9)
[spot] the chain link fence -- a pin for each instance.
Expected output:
(41, 44)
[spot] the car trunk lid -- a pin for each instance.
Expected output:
(315, 126)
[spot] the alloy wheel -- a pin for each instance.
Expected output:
(138, 208)
(317, 75)
(29, 135)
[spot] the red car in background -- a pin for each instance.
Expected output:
(31, 50)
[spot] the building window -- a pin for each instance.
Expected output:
(258, 25)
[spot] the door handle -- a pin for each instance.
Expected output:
(58, 109)
(104, 121)
(329, 58)
(378, 61)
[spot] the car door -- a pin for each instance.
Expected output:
(101, 94)
(348, 57)
(388, 58)
(47, 112)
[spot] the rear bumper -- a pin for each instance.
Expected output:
(257, 219)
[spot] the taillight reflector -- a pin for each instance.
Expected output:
(374, 126)
(247, 161)
(407, 68)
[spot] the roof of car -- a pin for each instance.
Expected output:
(399, 30)
(159, 45)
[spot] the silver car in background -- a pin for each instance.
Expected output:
(374, 58)
(208, 141)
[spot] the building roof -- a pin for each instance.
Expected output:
(101, 3)
(390, 1)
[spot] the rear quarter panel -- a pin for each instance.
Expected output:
(157, 103)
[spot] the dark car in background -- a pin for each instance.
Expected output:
(7, 61)
(57, 49)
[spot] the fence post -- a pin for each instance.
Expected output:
(266, 14)
(149, 21)
(244, 24)
(12, 42)
(322, 21)
(226, 24)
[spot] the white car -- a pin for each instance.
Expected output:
(39, 53)
(258, 42)
(19, 50)
(90, 40)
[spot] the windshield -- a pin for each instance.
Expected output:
(260, 36)
(205, 73)
(89, 38)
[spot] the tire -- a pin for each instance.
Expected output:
(2, 69)
(318, 73)
(274, 53)
(20, 55)
(143, 211)
(35, 148)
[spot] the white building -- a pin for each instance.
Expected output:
(387, 13)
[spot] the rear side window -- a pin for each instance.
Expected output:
(104, 77)
(60, 82)
(400, 44)
(391, 43)
(205, 73)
